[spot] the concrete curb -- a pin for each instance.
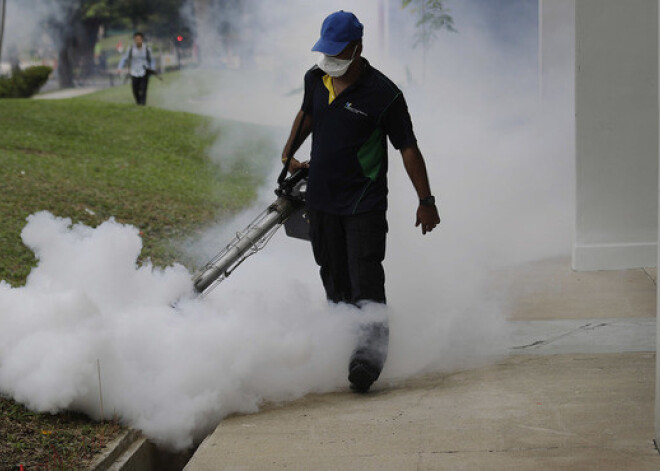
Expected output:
(132, 451)
(114, 450)
(138, 457)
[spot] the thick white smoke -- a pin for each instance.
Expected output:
(171, 372)
(498, 163)
(25, 27)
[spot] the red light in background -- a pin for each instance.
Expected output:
(179, 38)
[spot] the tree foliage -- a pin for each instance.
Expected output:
(158, 16)
(74, 26)
(432, 17)
(152, 14)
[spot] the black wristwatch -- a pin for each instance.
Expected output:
(428, 201)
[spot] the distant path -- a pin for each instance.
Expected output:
(66, 93)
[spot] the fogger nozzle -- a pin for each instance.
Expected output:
(246, 242)
(291, 198)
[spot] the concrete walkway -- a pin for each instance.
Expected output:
(66, 93)
(577, 392)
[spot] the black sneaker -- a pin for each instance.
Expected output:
(361, 377)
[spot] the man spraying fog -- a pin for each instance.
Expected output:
(140, 66)
(350, 109)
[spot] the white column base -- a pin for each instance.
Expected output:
(591, 257)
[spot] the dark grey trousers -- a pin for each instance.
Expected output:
(350, 251)
(140, 85)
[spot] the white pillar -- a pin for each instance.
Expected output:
(616, 100)
(557, 52)
(657, 341)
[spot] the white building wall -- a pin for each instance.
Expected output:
(557, 53)
(657, 341)
(616, 105)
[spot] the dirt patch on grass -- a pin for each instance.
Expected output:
(50, 441)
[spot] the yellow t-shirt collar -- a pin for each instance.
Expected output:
(327, 81)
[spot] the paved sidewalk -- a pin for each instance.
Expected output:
(66, 93)
(577, 392)
(586, 412)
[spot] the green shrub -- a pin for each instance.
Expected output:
(24, 83)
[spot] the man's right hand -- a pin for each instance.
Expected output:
(427, 217)
(295, 164)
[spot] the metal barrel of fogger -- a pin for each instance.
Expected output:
(276, 214)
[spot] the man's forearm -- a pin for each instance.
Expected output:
(416, 169)
(302, 127)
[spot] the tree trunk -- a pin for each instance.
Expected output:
(62, 31)
(3, 12)
(86, 43)
(65, 66)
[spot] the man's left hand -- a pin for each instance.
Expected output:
(427, 217)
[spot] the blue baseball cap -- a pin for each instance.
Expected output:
(337, 31)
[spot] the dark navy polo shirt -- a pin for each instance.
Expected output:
(348, 166)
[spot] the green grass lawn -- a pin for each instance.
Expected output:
(176, 88)
(91, 159)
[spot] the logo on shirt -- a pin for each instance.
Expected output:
(349, 107)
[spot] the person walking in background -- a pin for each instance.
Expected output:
(140, 66)
(350, 108)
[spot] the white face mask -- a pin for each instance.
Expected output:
(335, 67)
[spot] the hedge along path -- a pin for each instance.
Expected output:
(24, 83)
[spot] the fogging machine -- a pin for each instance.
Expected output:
(288, 210)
